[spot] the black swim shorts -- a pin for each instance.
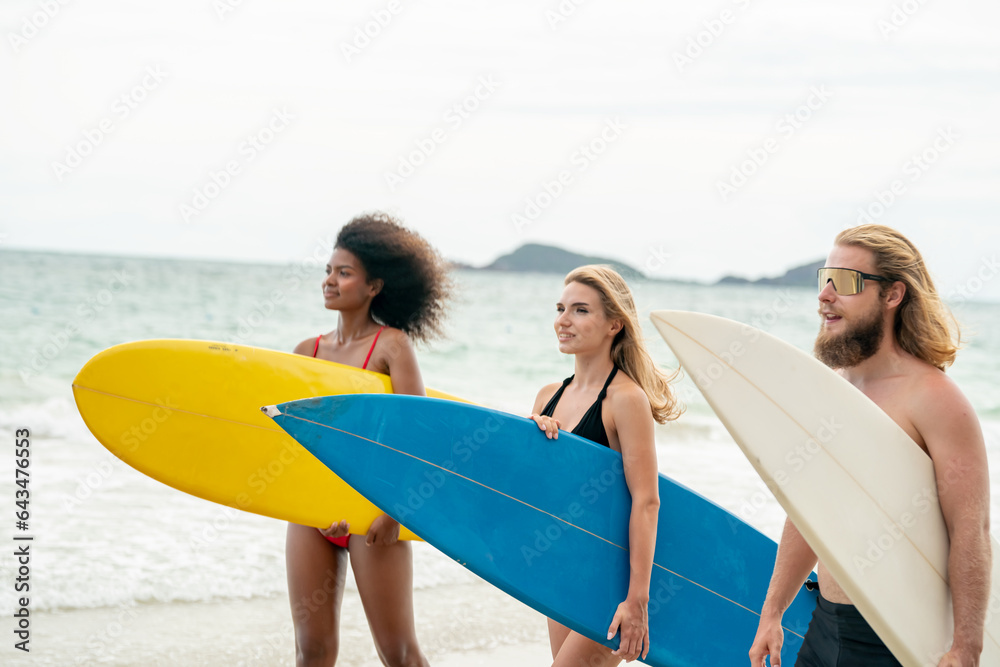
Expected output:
(839, 637)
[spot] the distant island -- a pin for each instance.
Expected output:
(800, 276)
(538, 258)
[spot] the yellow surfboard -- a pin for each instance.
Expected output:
(187, 413)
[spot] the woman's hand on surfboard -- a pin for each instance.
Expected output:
(768, 641)
(632, 618)
(337, 529)
(383, 531)
(547, 424)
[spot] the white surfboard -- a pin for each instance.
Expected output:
(857, 487)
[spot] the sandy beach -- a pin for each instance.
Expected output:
(495, 630)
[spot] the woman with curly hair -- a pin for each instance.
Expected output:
(614, 398)
(388, 286)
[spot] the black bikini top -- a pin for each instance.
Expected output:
(591, 425)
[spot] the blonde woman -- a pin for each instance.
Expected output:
(614, 398)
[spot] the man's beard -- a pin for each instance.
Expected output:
(856, 344)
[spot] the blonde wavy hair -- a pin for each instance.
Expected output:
(628, 350)
(924, 326)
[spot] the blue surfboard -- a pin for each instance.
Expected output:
(547, 521)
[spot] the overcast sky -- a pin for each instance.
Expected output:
(691, 140)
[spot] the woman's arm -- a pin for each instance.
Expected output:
(397, 357)
(634, 425)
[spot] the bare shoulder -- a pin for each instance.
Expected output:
(628, 418)
(392, 350)
(545, 395)
(394, 338)
(934, 393)
(306, 347)
(625, 395)
(392, 333)
(947, 424)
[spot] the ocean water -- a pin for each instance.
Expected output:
(106, 535)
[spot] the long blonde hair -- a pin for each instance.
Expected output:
(628, 350)
(924, 326)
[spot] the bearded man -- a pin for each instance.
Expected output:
(884, 328)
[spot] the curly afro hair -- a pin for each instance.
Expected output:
(415, 280)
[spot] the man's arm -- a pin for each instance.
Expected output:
(794, 562)
(954, 439)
